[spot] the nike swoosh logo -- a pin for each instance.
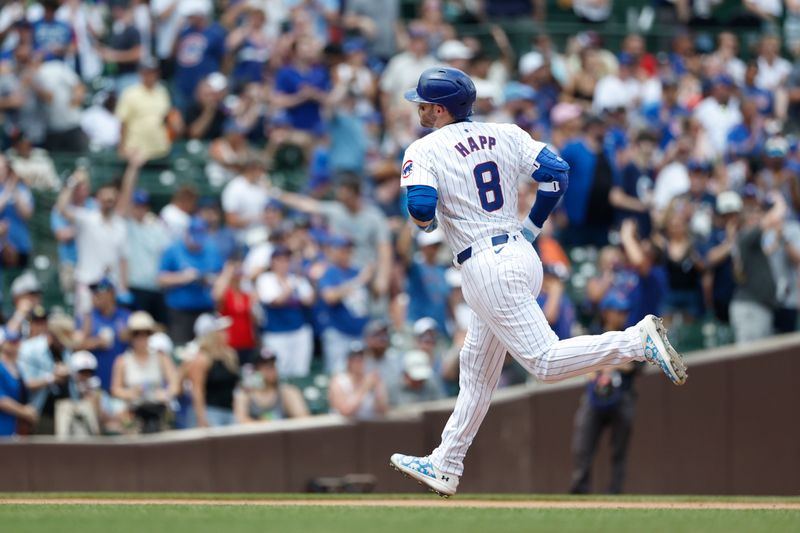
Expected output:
(500, 250)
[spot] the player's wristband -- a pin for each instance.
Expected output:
(533, 229)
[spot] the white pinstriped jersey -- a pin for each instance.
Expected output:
(475, 167)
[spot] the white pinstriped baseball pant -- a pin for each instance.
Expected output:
(500, 284)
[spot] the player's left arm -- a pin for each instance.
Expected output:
(552, 174)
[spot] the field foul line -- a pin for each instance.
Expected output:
(482, 504)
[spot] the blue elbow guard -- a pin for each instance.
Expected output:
(552, 173)
(422, 201)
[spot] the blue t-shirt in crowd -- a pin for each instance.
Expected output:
(349, 316)
(250, 60)
(18, 234)
(10, 387)
(666, 120)
(638, 183)
(566, 315)
(348, 136)
(744, 142)
(582, 163)
(51, 36)
(290, 316)
(67, 251)
(761, 97)
(224, 240)
(428, 292)
(724, 283)
(648, 295)
(289, 80)
(200, 52)
(193, 296)
(113, 324)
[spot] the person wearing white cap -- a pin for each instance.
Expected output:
(419, 383)
(145, 379)
(427, 289)
(455, 53)
(214, 373)
(84, 412)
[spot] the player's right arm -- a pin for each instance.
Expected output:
(418, 176)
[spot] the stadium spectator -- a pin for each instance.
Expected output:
(221, 236)
(555, 303)
(286, 299)
(34, 166)
(145, 113)
(234, 301)
(418, 382)
(103, 329)
(244, 198)
(428, 291)
(100, 238)
(265, 397)
(343, 291)
(146, 380)
(251, 45)
(719, 112)
(302, 87)
(125, 46)
(717, 250)
(65, 232)
(352, 216)
(206, 113)
(591, 179)
(177, 214)
(198, 51)
(213, 373)
(782, 246)
(52, 38)
(187, 272)
(16, 208)
(622, 89)
(20, 97)
(751, 309)
(383, 357)
(377, 21)
(632, 193)
(42, 364)
(15, 412)
(146, 240)
(26, 293)
(354, 392)
(83, 414)
(645, 279)
(62, 92)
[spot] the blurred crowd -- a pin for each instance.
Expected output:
(213, 309)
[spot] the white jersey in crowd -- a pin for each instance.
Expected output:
(475, 167)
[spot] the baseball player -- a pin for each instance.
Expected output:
(463, 178)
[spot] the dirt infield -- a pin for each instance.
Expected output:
(424, 503)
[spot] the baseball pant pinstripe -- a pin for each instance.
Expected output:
(500, 284)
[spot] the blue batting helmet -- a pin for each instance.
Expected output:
(446, 86)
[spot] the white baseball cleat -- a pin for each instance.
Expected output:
(421, 469)
(658, 351)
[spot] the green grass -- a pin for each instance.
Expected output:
(230, 519)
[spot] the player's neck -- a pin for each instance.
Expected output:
(449, 121)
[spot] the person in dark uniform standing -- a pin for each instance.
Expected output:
(608, 402)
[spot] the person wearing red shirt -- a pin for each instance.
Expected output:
(235, 303)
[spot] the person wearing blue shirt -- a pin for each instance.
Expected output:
(187, 272)
(104, 329)
(219, 235)
(646, 295)
(16, 207)
(717, 251)
(285, 298)
(666, 114)
(345, 295)
(302, 87)
(53, 38)
(555, 303)
(427, 288)
(199, 51)
(762, 98)
(631, 193)
(12, 391)
(590, 180)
